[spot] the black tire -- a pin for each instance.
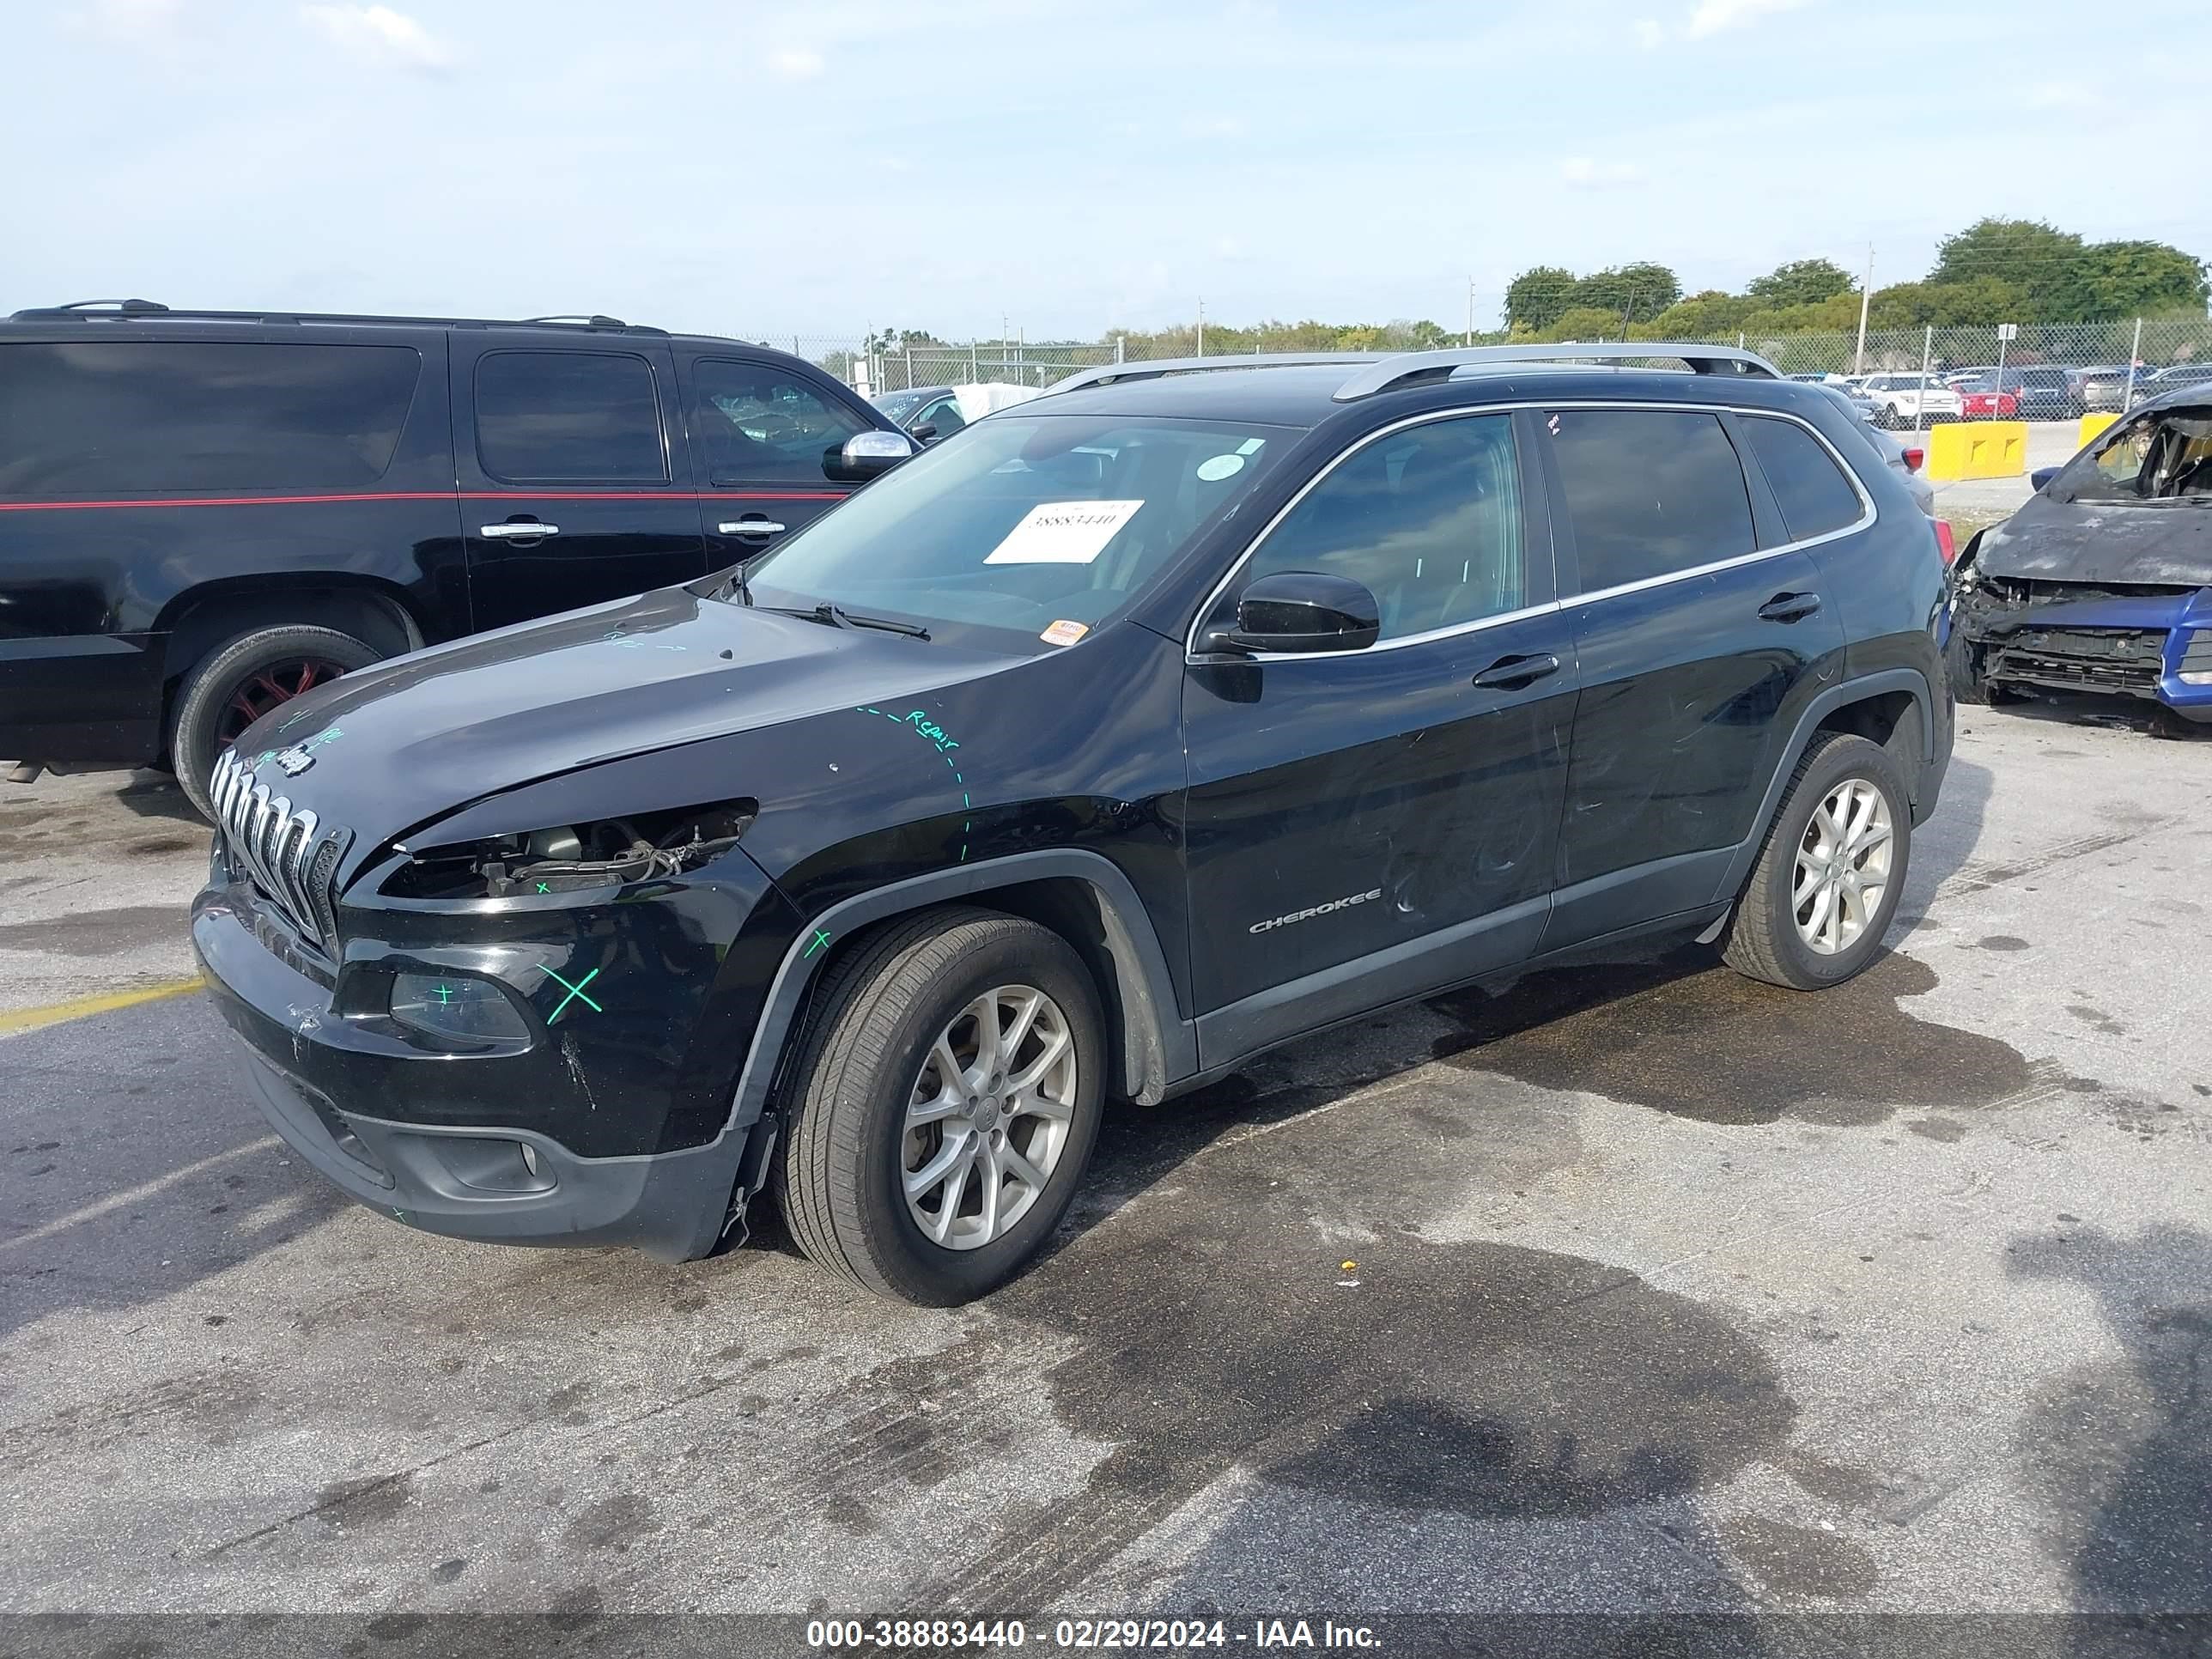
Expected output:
(243, 674)
(841, 1162)
(1762, 940)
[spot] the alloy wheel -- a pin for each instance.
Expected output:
(988, 1116)
(266, 687)
(1842, 867)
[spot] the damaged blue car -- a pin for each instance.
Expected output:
(2103, 581)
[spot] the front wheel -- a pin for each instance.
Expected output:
(234, 685)
(1828, 881)
(944, 1107)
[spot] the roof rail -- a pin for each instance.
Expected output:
(88, 311)
(1109, 373)
(1397, 370)
(596, 319)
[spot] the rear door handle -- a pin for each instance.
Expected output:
(749, 527)
(516, 532)
(1789, 607)
(1512, 673)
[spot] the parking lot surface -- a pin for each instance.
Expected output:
(1624, 1288)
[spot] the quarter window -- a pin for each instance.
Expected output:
(127, 416)
(569, 417)
(757, 422)
(1815, 496)
(1429, 519)
(1650, 492)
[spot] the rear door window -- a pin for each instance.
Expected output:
(138, 416)
(569, 417)
(1650, 492)
(1811, 489)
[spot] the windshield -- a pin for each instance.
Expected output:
(900, 404)
(1047, 525)
(2166, 457)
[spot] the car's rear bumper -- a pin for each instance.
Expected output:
(88, 700)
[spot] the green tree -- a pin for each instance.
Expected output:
(1537, 296)
(2128, 279)
(1586, 323)
(1707, 315)
(2048, 267)
(1800, 283)
(1973, 301)
(1631, 293)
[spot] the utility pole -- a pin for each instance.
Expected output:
(1201, 328)
(1470, 311)
(1866, 294)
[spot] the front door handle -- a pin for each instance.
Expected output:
(1789, 607)
(750, 527)
(1512, 673)
(512, 532)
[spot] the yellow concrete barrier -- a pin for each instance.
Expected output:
(1978, 449)
(2093, 427)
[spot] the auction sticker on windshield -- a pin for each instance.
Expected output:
(1063, 533)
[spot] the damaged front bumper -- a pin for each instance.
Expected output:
(2154, 644)
(607, 1121)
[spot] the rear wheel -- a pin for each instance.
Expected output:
(240, 681)
(944, 1107)
(1832, 872)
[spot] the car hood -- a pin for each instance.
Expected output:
(2168, 544)
(408, 741)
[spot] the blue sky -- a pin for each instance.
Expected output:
(816, 169)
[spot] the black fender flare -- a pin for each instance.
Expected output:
(1836, 696)
(1159, 1046)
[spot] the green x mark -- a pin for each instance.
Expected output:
(544, 887)
(575, 993)
(814, 943)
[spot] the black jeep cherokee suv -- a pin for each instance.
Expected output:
(203, 513)
(1187, 709)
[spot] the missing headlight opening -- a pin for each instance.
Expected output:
(576, 858)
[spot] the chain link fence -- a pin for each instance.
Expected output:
(2033, 371)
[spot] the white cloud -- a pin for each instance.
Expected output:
(796, 63)
(132, 22)
(1649, 33)
(1214, 126)
(1580, 170)
(380, 35)
(1712, 16)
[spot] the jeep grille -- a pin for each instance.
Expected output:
(288, 855)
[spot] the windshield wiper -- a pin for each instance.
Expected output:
(837, 616)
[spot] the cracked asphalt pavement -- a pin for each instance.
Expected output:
(1623, 1289)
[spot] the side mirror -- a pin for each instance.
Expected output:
(924, 433)
(2041, 477)
(865, 455)
(1300, 611)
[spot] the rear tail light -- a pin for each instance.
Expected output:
(1913, 458)
(1944, 544)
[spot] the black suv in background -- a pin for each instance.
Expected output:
(204, 513)
(1190, 708)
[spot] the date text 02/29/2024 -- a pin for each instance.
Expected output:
(1083, 1635)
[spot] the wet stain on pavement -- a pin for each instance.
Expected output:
(2000, 942)
(2117, 1453)
(1798, 1560)
(99, 933)
(1208, 1327)
(612, 1523)
(355, 1505)
(1684, 1036)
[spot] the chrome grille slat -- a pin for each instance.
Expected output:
(289, 855)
